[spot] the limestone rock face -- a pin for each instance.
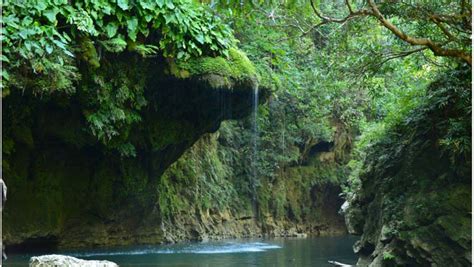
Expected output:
(353, 219)
(61, 260)
(304, 208)
(71, 191)
(413, 207)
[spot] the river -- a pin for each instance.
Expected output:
(313, 251)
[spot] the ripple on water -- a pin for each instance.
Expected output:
(216, 248)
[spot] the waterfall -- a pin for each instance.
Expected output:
(255, 136)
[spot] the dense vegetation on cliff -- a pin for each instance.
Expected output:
(55, 48)
(118, 91)
(367, 101)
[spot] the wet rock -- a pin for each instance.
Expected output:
(413, 205)
(353, 217)
(61, 260)
(336, 263)
(301, 235)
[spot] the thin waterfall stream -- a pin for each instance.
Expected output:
(255, 136)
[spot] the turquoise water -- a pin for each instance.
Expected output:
(247, 252)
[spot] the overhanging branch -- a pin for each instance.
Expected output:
(437, 49)
(352, 14)
(373, 11)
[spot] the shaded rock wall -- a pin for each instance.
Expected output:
(414, 204)
(206, 196)
(67, 189)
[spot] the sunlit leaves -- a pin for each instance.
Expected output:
(41, 28)
(115, 44)
(111, 29)
(45, 40)
(123, 4)
(132, 24)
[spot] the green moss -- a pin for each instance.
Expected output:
(457, 227)
(198, 180)
(35, 208)
(163, 132)
(237, 67)
(208, 65)
(418, 190)
(267, 78)
(169, 199)
(22, 134)
(241, 66)
(88, 52)
(387, 256)
(460, 198)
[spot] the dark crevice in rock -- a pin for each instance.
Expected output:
(45, 244)
(322, 146)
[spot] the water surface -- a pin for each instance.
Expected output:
(314, 251)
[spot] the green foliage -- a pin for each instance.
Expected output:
(387, 256)
(446, 103)
(327, 82)
(296, 116)
(452, 95)
(199, 179)
(47, 30)
(46, 44)
(115, 95)
(408, 178)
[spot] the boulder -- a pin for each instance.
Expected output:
(61, 260)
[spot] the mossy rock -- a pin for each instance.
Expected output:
(219, 72)
(412, 194)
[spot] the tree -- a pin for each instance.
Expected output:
(446, 26)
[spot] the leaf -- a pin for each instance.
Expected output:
(67, 52)
(4, 58)
(5, 75)
(160, 3)
(51, 14)
(148, 17)
(132, 28)
(26, 21)
(200, 38)
(116, 45)
(23, 33)
(146, 50)
(147, 4)
(40, 5)
(59, 44)
(123, 4)
(169, 4)
(169, 18)
(111, 29)
(49, 49)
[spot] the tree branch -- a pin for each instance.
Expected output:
(443, 29)
(352, 14)
(402, 54)
(374, 66)
(436, 48)
(348, 4)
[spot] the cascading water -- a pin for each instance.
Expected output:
(255, 135)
